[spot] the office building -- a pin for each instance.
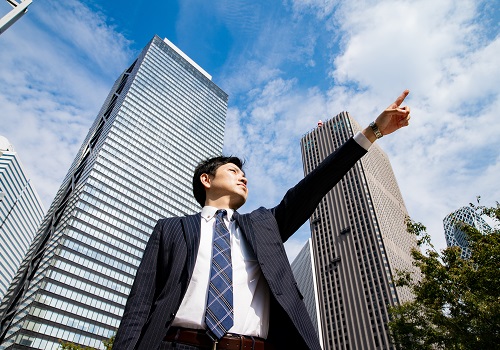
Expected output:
(21, 212)
(455, 236)
(359, 241)
(304, 271)
(162, 116)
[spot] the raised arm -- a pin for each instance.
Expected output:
(300, 201)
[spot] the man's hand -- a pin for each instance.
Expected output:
(391, 119)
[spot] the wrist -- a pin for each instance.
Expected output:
(376, 130)
(369, 134)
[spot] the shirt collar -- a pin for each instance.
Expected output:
(208, 212)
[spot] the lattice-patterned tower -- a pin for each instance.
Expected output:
(162, 116)
(359, 238)
(455, 237)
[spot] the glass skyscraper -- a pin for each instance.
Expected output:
(359, 240)
(162, 116)
(455, 237)
(304, 271)
(21, 212)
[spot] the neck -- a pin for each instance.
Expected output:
(222, 204)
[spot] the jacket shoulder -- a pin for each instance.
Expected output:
(176, 219)
(172, 223)
(260, 214)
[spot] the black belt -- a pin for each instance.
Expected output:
(200, 338)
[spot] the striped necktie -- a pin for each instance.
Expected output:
(219, 313)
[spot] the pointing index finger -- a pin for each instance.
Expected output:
(401, 98)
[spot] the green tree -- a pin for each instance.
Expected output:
(108, 343)
(64, 345)
(457, 301)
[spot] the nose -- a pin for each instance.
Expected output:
(244, 180)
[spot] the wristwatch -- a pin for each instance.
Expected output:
(375, 129)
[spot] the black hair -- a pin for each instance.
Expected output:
(210, 166)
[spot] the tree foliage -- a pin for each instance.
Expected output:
(108, 343)
(64, 345)
(457, 301)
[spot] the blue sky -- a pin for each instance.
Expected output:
(284, 65)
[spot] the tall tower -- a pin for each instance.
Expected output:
(162, 116)
(359, 238)
(304, 271)
(21, 212)
(457, 237)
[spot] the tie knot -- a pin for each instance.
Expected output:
(221, 213)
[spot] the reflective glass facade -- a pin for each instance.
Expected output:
(162, 116)
(359, 240)
(455, 237)
(21, 212)
(304, 271)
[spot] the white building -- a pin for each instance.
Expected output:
(304, 271)
(21, 212)
(359, 240)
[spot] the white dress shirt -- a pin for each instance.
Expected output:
(250, 290)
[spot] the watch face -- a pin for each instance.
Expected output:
(375, 129)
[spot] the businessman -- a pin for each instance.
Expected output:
(220, 279)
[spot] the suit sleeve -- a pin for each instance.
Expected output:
(141, 295)
(300, 201)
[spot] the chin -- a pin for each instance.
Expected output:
(238, 204)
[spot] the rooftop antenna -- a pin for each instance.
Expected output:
(19, 9)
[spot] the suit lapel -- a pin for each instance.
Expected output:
(245, 225)
(261, 232)
(191, 227)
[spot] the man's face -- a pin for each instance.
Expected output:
(229, 184)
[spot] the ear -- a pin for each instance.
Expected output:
(206, 180)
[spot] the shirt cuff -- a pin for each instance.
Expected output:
(362, 140)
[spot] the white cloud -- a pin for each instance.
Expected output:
(58, 64)
(83, 34)
(440, 51)
(267, 133)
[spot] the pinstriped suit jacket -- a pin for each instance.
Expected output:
(168, 262)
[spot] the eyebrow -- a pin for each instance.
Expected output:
(234, 166)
